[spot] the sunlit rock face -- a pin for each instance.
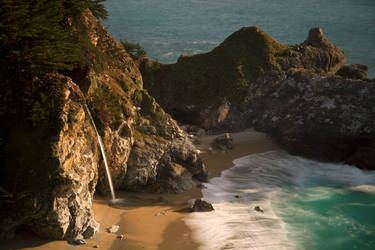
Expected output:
(50, 159)
(52, 170)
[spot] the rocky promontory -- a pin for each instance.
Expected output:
(302, 95)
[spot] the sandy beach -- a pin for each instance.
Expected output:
(154, 221)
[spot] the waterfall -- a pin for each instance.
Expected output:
(103, 154)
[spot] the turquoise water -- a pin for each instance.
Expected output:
(307, 205)
(331, 207)
(168, 28)
(335, 219)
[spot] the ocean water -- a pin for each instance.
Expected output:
(169, 28)
(307, 205)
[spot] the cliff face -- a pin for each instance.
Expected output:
(49, 169)
(50, 160)
(131, 123)
(303, 96)
(326, 118)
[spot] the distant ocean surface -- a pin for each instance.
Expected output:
(307, 204)
(169, 28)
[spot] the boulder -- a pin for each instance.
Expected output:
(113, 229)
(78, 241)
(202, 206)
(223, 142)
(353, 71)
(258, 209)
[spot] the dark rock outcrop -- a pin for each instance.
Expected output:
(314, 56)
(326, 118)
(259, 209)
(202, 206)
(223, 142)
(353, 71)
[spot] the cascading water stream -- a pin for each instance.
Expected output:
(103, 154)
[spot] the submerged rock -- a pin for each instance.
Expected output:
(202, 206)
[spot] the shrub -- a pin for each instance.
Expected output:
(134, 49)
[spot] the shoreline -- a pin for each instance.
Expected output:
(155, 221)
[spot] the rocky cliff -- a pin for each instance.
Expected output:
(50, 161)
(303, 95)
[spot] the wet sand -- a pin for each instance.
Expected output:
(148, 221)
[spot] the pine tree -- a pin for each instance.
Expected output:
(34, 37)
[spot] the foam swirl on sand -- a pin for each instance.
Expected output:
(297, 196)
(235, 224)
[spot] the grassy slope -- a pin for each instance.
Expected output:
(221, 75)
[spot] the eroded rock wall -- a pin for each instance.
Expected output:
(52, 171)
(326, 118)
(50, 161)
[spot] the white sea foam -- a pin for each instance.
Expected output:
(263, 180)
(206, 42)
(364, 188)
(168, 54)
(234, 224)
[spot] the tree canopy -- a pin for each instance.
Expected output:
(35, 35)
(134, 49)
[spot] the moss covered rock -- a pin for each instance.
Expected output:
(196, 88)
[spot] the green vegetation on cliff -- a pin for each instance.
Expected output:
(35, 36)
(135, 49)
(210, 79)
